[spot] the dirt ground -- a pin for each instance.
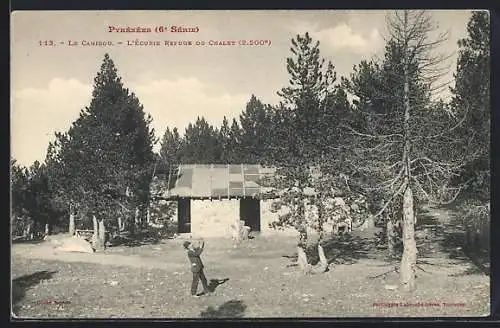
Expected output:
(256, 279)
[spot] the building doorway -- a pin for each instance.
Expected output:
(184, 215)
(250, 213)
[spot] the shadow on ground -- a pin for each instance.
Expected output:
(27, 241)
(214, 283)
(230, 309)
(448, 237)
(140, 238)
(347, 249)
(433, 236)
(23, 283)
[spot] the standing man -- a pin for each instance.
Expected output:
(193, 254)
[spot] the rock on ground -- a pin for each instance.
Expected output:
(75, 244)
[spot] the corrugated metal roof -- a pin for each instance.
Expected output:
(216, 181)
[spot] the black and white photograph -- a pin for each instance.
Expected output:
(250, 164)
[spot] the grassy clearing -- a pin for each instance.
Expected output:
(152, 281)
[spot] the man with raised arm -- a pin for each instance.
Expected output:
(193, 254)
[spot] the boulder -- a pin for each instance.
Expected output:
(75, 244)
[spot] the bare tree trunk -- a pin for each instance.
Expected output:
(102, 234)
(95, 235)
(391, 236)
(302, 244)
(120, 223)
(301, 250)
(136, 216)
(71, 222)
(130, 225)
(322, 258)
(321, 215)
(28, 231)
(302, 257)
(409, 259)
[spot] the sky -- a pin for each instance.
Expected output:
(176, 84)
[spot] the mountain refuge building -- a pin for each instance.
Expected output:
(211, 198)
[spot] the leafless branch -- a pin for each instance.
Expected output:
(452, 128)
(379, 147)
(122, 206)
(381, 136)
(396, 193)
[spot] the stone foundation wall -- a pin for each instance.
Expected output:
(214, 218)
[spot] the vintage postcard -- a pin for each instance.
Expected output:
(250, 164)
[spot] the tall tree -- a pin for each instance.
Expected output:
(378, 112)
(106, 156)
(38, 197)
(471, 97)
(305, 100)
(411, 152)
(60, 184)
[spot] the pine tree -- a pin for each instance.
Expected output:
(281, 137)
(171, 147)
(38, 197)
(471, 98)
(255, 131)
(105, 159)
(19, 186)
(304, 107)
(201, 143)
(379, 109)
(311, 83)
(408, 147)
(235, 153)
(224, 141)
